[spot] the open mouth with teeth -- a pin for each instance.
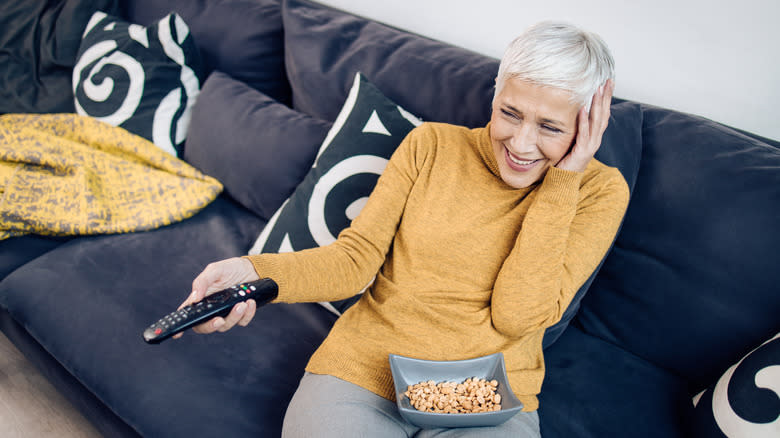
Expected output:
(518, 164)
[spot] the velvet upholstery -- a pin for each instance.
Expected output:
(242, 38)
(257, 147)
(108, 289)
(17, 251)
(38, 44)
(688, 289)
(324, 48)
(594, 389)
(700, 240)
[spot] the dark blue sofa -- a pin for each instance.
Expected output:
(689, 287)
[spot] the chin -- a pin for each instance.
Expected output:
(517, 181)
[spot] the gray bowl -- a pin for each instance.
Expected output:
(408, 371)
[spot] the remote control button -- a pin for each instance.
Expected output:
(157, 331)
(217, 298)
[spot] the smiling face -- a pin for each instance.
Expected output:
(531, 128)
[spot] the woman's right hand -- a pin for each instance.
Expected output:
(217, 276)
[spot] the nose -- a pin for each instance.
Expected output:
(524, 138)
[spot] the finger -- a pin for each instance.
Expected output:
(251, 307)
(209, 326)
(241, 314)
(600, 111)
(583, 131)
(597, 109)
(192, 298)
(607, 92)
(233, 317)
(609, 88)
(606, 108)
(206, 281)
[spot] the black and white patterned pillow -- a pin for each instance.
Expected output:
(745, 401)
(143, 79)
(355, 152)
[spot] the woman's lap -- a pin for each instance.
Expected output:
(326, 406)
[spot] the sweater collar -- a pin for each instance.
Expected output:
(485, 148)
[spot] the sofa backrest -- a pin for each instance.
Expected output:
(692, 281)
(242, 38)
(324, 48)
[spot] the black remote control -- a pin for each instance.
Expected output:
(217, 304)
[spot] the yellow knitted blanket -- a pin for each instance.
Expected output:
(65, 174)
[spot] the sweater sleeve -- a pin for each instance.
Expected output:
(565, 234)
(345, 267)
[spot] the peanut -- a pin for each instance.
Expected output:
(472, 395)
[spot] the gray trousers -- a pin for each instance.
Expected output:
(325, 406)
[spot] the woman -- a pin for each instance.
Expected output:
(473, 242)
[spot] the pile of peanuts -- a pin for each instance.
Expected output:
(473, 395)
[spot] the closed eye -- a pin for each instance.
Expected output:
(551, 129)
(509, 114)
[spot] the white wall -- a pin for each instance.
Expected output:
(717, 58)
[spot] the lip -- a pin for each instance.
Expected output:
(519, 167)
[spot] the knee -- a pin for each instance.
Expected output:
(324, 406)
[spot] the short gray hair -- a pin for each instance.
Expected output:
(559, 55)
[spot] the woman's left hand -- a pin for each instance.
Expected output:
(591, 127)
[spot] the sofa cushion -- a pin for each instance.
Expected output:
(257, 147)
(143, 79)
(745, 401)
(355, 152)
(691, 282)
(433, 80)
(38, 44)
(593, 389)
(16, 251)
(242, 38)
(88, 301)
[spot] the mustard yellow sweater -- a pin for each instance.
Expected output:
(465, 265)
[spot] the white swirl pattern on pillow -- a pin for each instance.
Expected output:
(341, 171)
(165, 113)
(750, 388)
(100, 92)
(172, 113)
(353, 155)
